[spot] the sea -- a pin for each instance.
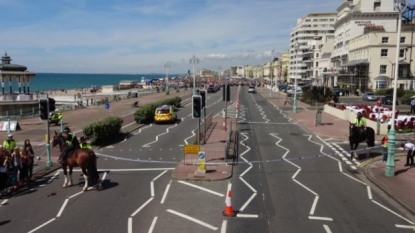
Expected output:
(57, 81)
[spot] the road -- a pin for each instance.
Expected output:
(299, 194)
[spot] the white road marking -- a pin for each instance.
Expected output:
(247, 202)
(405, 226)
(243, 173)
(62, 208)
(130, 225)
(44, 224)
(313, 207)
(246, 183)
(201, 188)
(131, 169)
(247, 215)
(143, 128)
(157, 137)
(165, 193)
(327, 229)
(76, 194)
(153, 223)
(4, 202)
(223, 228)
(192, 219)
(267, 123)
(320, 218)
(384, 207)
(185, 140)
(152, 188)
(142, 206)
(159, 175)
(128, 125)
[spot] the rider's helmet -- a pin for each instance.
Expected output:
(10, 136)
(67, 129)
(82, 139)
(359, 114)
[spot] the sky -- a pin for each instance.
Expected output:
(142, 36)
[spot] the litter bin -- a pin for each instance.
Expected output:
(318, 116)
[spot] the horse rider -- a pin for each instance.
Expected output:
(84, 144)
(410, 156)
(71, 144)
(360, 122)
(9, 144)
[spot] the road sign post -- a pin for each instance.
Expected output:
(107, 106)
(201, 163)
(203, 95)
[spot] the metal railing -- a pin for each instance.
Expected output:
(211, 156)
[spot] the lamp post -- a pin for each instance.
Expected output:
(296, 46)
(271, 70)
(167, 66)
(400, 6)
(194, 60)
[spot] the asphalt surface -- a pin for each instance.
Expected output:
(323, 194)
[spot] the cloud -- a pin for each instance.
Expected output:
(217, 56)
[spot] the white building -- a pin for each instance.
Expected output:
(240, 71)
(352, 18)
(308, 28)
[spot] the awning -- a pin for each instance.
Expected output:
(402, 63)
(382, 78)
(356, 62)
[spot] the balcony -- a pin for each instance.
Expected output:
(308, 59)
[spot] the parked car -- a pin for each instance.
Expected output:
(369, 96)
(251, 89)
(388, 100)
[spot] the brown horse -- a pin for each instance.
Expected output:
(83, 158)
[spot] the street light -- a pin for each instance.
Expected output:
(194, 60)
(296, 46)
(400, 6)
(272, 59)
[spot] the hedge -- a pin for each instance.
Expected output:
(145, 114)
(103, 130)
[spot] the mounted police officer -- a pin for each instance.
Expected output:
(71, 144)
(360, 122)
(84, 144)
(9, 144)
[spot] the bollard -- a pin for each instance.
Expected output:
(49, 161)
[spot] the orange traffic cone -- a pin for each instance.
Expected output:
(228, 209)
(224, 125)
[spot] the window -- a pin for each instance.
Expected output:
(402, 53)
(316, 54)
(381, 84)
(315, 20)
(323, 20)
(382, 69)
(316, 63)
(385, 40)
(402, 39)
(331, 20)
(384, 53)
(308, 20)
(376, 6)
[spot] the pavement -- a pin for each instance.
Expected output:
(399, 187)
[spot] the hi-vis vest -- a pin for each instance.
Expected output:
(360, 123)
(85, 145)
(69, 142)
(9, 144)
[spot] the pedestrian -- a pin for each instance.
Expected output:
(357, 91)
(9, 144)
(410, 156)
(4, 162)
(16, 165)
(31, 153)
(25, 158)
(413, 105)
(385, 148)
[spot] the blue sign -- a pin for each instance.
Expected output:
(107, 105)
(201, 155)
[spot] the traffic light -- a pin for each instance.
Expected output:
(203, 95)
(52, 104)
(226, 89)
(43, 109)
(197, 106)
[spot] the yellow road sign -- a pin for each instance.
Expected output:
(191, 149)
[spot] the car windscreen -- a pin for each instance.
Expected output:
(162, 111)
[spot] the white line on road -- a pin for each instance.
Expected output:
(130, 170)
(157, 137)
(44, 224)
(143, 128)
(152, 188)
(320, 218)
(223, 228)
(405, 226)
(76, 194)
(165, 193)
(201, 188)
(192, 219)
(128, 125)
(247, 215)
(4, 202)
(142, 206)
(159, 175)
(327, 228)
(369, 192)
(384, 207)
(246, 183)
(62, 208)
(313, 207)
(152, 225)
(247, 202)
(243, 173)
(130, 225)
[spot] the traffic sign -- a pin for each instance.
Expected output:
(191, 149)
(107, 105)
(201, 163)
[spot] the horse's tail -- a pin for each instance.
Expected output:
(92, 166)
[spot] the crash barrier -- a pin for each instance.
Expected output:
(210, 155)
(350, 116)
(243, 162)
(30, 112)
